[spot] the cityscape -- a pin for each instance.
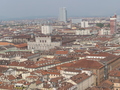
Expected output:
(62, 52)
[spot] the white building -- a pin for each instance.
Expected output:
(46, 29)
(118, 18)
(63, 14)
(83, 32)
(104, 32)
(8, 39)
(84, 24)
(43, 43)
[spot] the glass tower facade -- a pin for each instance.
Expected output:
(63, 14)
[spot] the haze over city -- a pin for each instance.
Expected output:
(49, 8)
(59, 45)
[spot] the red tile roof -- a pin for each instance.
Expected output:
(6, 43)
(114, 73)
(61, 52)
(7, 86)
(79, 78)
(107, 84)
(38, 82)
(32, 77)
(24, 82)
(84, 64)
(11, 77)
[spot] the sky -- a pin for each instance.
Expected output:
(46, 8)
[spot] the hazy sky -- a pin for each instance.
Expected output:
(27, 8)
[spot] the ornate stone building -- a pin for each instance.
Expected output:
(43, 43)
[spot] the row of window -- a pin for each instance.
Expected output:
(43, 41)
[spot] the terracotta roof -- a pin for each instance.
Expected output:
(98, 88)
(32, 77)
(61, 52)
(47, 86)
(24, 82)
(79, 78)
(115, 80)
(1, 82)
(21, 64)
(6, 43)
(2, 69)
(22, 70)
(42, 72)
(107, 84)
(88, 64)
(84, 64)
(72, 70)
(56, 79)
(7, 86)
(78, 51)
(114, 73)
(38, 82)
(1, 74)
(65, 86)
(111, 58)
(11, 77)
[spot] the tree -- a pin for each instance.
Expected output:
(100, 25)
(108, 25)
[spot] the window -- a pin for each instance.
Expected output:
(117, 84)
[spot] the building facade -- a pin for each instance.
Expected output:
(46, 29)
(63, 14)
(83, 32)
(104, 32)
(43, 43)
(113, 25)
(84, 24)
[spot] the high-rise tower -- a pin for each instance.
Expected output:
(113, 24)
(63, 14)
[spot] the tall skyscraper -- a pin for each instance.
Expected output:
(63, 14)
(113, 24)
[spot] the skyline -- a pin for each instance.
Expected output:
(45, 8)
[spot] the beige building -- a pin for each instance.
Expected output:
(46, 29)
(43, 43)
(116, 84)
(82, 81)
